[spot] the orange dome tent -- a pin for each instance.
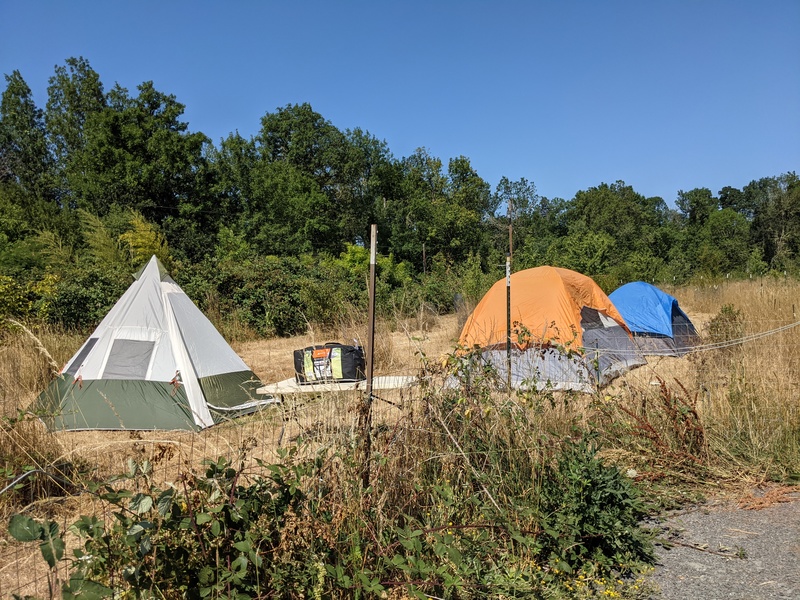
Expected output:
(565, 332)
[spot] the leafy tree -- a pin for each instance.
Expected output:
(73, 95)
(743, 202)
(24, 156)
(631, 220)
(138, 154)
(724, 247)
(588, 252)
(286, 213)
(101, 244)
(776, 225)
(409, 214)
(542, 227)
(459, 216)
(233, 165)
(696, 206)
(367, 178)
(300, 138)
(143, 241)
(521, 201)
(467, 189)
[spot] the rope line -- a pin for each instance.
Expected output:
(700, 347)
(741, 340)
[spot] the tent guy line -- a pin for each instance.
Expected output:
(716, 345)
(743, 340)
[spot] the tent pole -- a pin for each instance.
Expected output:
(365, 417)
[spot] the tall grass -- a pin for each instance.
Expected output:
(726, 414)
(477, 465)
(749, 392)
(29, 360)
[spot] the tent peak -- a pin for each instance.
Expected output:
(159, 266)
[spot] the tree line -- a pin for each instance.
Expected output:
(98, 180)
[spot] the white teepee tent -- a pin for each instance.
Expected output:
(154, 362)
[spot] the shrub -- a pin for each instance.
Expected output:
(726, 325)
(475, 504)
(82, 297)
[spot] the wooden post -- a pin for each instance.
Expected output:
(508, 319)
(510, 230)
(365, 414)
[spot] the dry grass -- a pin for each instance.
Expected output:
(746, 398)
(746, 394)
(26, 368)
(769, 497)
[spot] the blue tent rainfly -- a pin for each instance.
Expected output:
(658, 324)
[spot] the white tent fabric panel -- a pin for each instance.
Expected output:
(140, 305)
(540, 369)
(185, 371)
(210, 353)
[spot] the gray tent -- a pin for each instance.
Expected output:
(154, 362)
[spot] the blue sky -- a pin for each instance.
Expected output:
(665, 96)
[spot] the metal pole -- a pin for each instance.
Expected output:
(508, 319)
(365, 417)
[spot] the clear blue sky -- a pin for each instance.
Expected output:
(664, 95)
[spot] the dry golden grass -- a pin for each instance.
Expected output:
(746, 397)
(29, 359)
(26, 371)
(746, 393)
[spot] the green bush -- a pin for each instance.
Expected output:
(477, 504)
(591, 512)
(82, 297)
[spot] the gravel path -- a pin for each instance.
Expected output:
(721, 552)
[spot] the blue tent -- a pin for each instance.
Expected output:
(657, 323)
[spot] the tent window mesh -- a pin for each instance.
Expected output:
(73, 367)
(129, 359)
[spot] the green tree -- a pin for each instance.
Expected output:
(24, 156)
(588, 252)
(138, 154)
(542, 227)
(617, 211)
(458, 227)
(776, 224)
(233, 165)
(74, 93)
(367, 178)
(285, 214)
(409, 214)
(521, 202)
(313, 148)
(696, 206)
(724, 245)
